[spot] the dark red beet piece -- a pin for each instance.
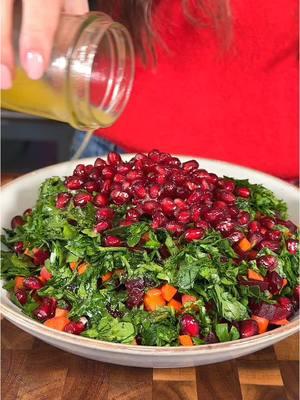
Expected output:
(189, 326)
(248, 328)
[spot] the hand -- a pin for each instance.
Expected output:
(39, 23)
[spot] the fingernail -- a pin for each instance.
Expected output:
(6, 81)
(34, 65)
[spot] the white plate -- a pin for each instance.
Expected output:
(22, 193)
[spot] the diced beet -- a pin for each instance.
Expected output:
(33, 283)
(263, 285)
(190, 326)
(270, 262)
(275, 282)
(21, 296)
(248, 328)
(76, 328)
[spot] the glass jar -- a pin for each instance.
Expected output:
(89, 78)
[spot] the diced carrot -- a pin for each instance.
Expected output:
(244, 244)
(261, 322)
(185, 340)
(61, 312)
(28, 252)
(153, 300)
(57, 323)
(73, 265)
(187, 298)
(106, 277)
(82, 268)
(254, 275)
(284, 283)
(45, 275)
(168, 291)
(19, 282)
(279, 322)
(175, 304)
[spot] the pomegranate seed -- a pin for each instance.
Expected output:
(202, 225)
(274, 235)
(189, 326)
(32, 283)
(270, 244)
(226, 196)
(113, 158)
(243, 218)
(182, 192)
(105, 214)
(100, 200)
(154, 191)
(191, 185)
(95, 174)
(133, 214)
(81, 199)
(139, 190)
(74, 183)
(193, 234)
(27, 212)
(178, 178)
(126, 222)
(226, 184)
(196, 197)
(119, 197)
(248, 328)
(102, 226)
(112, 241)
(62, 200)
(212, 178)
(17, 221)
(181, 204)
(80, 171)
(123, 168)
(174, 162)
(99, 163)
(254, 226)
(21, 296)
(75, 328)
(275, 282)
(154, 155)
(233, 211)
(243, 192)
(195, 212)
(200, 174)
(268, 261)
(19, 247)
(134, 176)
(168, 206)
(174, 228)
(91, 186)
(158, 220)
(287, 304)
(220, 204)
(108, 172)
(119, 178)
(183, 217)
(149, 207)
(235, 236)
(214, 215)
(106, 186)
(169, 190)
(225, 227)
(89, 168)
(268, 223)
(46, 309)
(255, 238)
(292, 246)
(190, 166)
(40, 256)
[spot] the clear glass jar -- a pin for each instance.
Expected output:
(89, 78)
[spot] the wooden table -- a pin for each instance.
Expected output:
(33, 370)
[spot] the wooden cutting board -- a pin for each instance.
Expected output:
(33, 370)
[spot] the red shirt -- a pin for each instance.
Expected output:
(240, 107)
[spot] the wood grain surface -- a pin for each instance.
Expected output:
(33, 370)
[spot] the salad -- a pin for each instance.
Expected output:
(153, 252)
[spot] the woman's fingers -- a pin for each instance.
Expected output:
(7, 55)
(39, 23)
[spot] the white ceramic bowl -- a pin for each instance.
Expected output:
(22, 193)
